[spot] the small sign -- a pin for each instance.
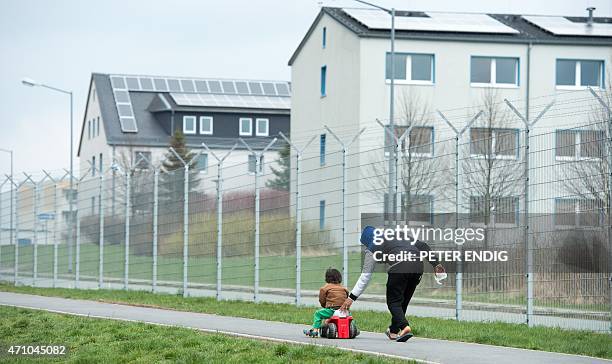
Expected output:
(46, 216)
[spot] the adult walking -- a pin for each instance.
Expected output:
(402, 278)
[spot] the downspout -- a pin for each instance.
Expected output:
(171, 122)
(527, 81)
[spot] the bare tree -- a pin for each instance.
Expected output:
(417, 163)
(492, 169)
(585, 174)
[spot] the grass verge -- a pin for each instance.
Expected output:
(107, 341)
(495, 333)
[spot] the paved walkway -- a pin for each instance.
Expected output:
(426, 350)
(418, 306)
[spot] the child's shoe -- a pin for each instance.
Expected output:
(311, 333)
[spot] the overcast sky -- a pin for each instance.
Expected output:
(61, 42)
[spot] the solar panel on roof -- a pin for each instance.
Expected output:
(228, 87)
(268, 88)
(215, 87)
(187, 85)
(559, 25)
(128, 125)
(121, 96)
(255, 88)
(146, 83)
(242, 87)
(174, 85)
(282, 89)
(201, 86)
(132, 83)
(160, 84)
(223, 100)
(118, 82)
(435, 22)
(125, 110)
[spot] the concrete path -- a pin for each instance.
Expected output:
(426, 350)
(418, 306)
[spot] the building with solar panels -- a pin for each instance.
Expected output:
(444, 61)
(131, 115)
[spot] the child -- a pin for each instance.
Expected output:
(331, 297)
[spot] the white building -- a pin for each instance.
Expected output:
(131, 115)
(444, 61)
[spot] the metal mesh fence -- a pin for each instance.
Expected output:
(250, 224)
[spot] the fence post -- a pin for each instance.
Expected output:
(398, 142)
(258, 166)
(459, 272)
(185, 229)
(526, 237)
(219, 215)
(1, 215)
(16, 273)
(126, 260)
(298, 217)
(77, 224)
(55, 182)
(609, 197)
(155, 217)
(345, 267)
(101, 233)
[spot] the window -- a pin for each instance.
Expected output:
(206, 125)
(88, 129)
(189, 124)
(246, 127)
(421, 140)
(261, 127)
(93, 128)
(579, 73)
(324, 81)
(101, 163)
(93, 166)
(502, 210)
(252, 163)
(411, 67)
(322, 214)
(322, 150)
(494, 71)
(494, 143)
(579, 144)
(417, 208)
(202, 163)
(324, 40)
(98, 125)
(578, 212)
(141, 163)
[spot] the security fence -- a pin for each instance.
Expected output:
(537, 185)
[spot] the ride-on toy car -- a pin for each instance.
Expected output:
(340, 326)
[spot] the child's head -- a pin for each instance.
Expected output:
(332, 275)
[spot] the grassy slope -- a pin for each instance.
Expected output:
(99, 340)
(512, 335)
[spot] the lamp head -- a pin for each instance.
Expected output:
(29, 82)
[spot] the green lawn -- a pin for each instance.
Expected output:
(504, 334)
(275, 272)
(106, 341)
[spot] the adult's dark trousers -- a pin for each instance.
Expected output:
(400, 288)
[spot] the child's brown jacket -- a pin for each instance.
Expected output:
(332, 295)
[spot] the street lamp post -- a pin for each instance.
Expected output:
(31, 83)
(12, 185)
(392, 191)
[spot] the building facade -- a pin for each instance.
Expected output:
(129, 116)
(444, 61)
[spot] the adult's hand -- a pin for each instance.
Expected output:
(347, 304)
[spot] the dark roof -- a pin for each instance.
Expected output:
(528, 33)
(150, 133)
